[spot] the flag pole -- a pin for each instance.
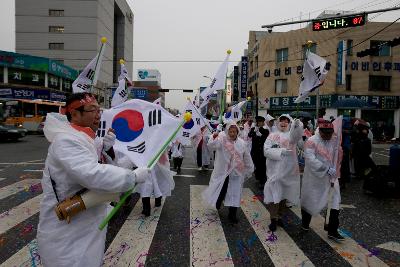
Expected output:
(103, 41)
(186, 117)
(222, 106)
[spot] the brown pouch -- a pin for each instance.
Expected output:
(69, 207)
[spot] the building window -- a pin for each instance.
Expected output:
(313, 48)
(384, 48)
(56, 46)
(56, 29)
(349, 47)
(56, 13)
(282, 55)
(348, 82)
(281, 86)
(379, 83)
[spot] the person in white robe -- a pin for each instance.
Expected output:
(283, 182)
(160, 184)
(232, 165)
(321, 177)
(270, 124)
(72, 166)
(177, 154)
(199, 143)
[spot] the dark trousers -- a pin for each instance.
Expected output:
(277, 210)
(177, 163)
(260, 171)
(333, 224)
(222, 194)
(199, 156)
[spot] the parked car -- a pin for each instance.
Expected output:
(10, 132)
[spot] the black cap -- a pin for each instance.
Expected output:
(260, 118)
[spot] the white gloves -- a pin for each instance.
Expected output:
(142, 174)
(331, 172)
(258, 133)
(108, 140)
(296, 123)
(286, 152)
(219, 128)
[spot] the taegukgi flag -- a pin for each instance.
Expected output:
(124, 73)
(141, 129)
(88, 77)
(314, 74)
(236, 112)
(120, 95)
(218, 83)
(192, 127)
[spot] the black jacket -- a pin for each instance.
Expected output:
(257, 142)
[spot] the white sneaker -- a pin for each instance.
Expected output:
(200, 168)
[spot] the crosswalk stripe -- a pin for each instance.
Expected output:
(1, 179)
(17, 187)
(10, 218)
(393, 246)
(283, 251)
(27, 256)
(352, 252)
(208, 244)
(130, 246)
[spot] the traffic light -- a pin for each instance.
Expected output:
(163, 90)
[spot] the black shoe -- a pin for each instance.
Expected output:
(305, 228)
(272, 226)
(158, 201)
(232, 215)
(336, 236)
(146, 212)
(279, 222)
(178, 171)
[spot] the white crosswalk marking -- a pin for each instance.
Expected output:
(393, 246)
(283, 251)
(10, 218)
(131, 245)
(28, 256)
(208, 245)
(17, 187)
(1, 179)
(352, 252)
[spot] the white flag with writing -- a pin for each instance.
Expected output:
(120, 95)
(314, 74)
(218, 83)
(141, 129)
(236, 113)
(89, 75)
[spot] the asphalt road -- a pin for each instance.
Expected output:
(183, 233)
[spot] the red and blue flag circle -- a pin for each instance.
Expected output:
(188, 125)
(128, 125)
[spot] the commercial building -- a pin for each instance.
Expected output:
(69, 32)
(275, 68)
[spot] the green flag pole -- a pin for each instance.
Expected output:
(149, 165)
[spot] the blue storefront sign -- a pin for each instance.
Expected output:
(139, 93)
(326, 101)
(31, 94)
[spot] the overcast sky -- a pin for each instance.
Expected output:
(182, 30)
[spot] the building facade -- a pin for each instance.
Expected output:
(275, 65)
(69, 32)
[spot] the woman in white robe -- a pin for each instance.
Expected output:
(232, 165)
(283, 182)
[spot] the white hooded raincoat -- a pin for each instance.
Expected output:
(232, 159)
(72, 162)
(282, 170)
(316, 183)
